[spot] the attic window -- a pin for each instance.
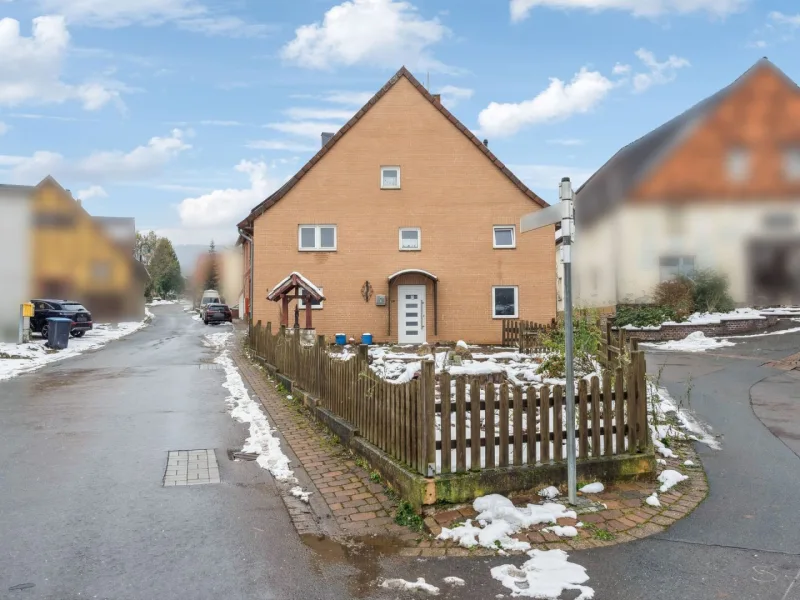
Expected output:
(390, 178)
(738, 164)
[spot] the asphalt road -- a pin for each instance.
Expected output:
(83, 513)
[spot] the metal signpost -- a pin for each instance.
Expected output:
(564, 212)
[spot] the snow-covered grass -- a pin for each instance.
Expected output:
(24, 358)
(263, 440)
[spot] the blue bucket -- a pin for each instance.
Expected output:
(341, 339)
(366, 338)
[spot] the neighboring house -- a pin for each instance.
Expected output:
(229, 273)
(408, 224)
(717, 187)
(77, 257)
(15, 231)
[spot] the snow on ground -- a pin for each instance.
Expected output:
(549, 492)
(593, 488)
(455, 581)
(161, 302)
(694, 342)
(670, 479)
(653, 500)
(498, 519)
(700, 318)
(262, 441)
(562, 531)
(410, 586)
(546, 575)
(666, 404)
(24, 358)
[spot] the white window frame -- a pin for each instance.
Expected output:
(390, 187)
(516, 302)
(317, 238)
(791, 163)
(513, 229)
(301, 303)
(419, 239)
(739, 164)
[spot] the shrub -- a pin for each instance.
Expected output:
(711, 292)
(586, 341)
(676, 294)
(644, 315)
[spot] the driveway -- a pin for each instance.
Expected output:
(83, 513)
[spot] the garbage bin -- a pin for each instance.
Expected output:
(58, 332)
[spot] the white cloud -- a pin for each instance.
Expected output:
(309, 129)
(382, 33)
(659, 73)
(228, 206)
(94, 191)
(350, 98)
(189, 15)
(784, 19)
(559, 101)
(30, 69)
(280, 145)
(566, 142)
(141, 162)
(547, 177)
(319, 114)
(521, 9)
(452, 95)
(3, 128)
(620, 69)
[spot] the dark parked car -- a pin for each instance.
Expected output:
(44, 309)
(217, 313)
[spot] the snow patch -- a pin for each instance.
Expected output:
(593, 488)
(688, 463)
(454, 581)
(410, 586)
(670, 478)
(299, 492)
(462, 344)
(562, 531)
(546, 576)
(549, 492)
(653, 500)
(694, 342)
(246, 410)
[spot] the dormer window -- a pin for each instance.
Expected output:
(738, 164)
(390, 178)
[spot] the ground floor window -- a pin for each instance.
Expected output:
(671, 267)
(505, 302)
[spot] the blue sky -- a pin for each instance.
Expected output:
(186, 113)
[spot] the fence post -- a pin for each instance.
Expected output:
(427, 407)
(643, 437)
(320, 360)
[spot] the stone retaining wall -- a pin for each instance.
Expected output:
(723, 328)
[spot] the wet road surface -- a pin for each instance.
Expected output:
(83, 513)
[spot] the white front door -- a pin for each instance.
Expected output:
(411, 314)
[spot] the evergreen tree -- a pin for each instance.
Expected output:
(165, 270)
(212, 272)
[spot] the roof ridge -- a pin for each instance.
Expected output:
(263, 206)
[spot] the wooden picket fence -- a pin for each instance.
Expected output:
(525, 335)
(615, 344)
(434, 425)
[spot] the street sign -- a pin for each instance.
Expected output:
(542, 218)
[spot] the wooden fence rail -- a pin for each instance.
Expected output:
(470, 425)
(525, 335)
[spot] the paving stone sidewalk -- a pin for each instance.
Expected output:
(361, 507)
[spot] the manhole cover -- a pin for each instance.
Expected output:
(191, 467)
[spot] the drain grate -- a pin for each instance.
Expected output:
(237, 455)
(191, 467)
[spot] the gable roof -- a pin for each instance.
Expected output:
(610, 185)
(435, 102)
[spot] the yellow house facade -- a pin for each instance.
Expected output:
(74, 257)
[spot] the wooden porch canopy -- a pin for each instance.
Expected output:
(290, 289)
(433, 278)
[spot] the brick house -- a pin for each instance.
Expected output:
(716, 187)
(408, 224)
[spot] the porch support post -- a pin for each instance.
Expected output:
(285, 310)
(435, 308)
(308, 314)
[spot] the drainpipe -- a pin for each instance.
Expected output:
(252, 270)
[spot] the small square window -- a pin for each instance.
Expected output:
(315, 305)
(791, 164)
(738, 165)
(505, 302)
(390, 178)
(505, 236)
(317, 238)
(410, 238)
(671, 267)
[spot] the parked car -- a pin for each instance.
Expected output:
(217, 313)
(67, 309)
(208, 297)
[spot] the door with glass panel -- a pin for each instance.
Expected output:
(411, 314)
